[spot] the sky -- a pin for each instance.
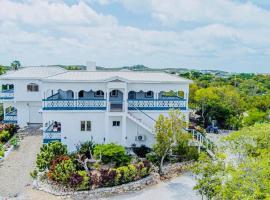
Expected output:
(230, 35)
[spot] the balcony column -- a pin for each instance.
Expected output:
(186, 95)
(124, 131)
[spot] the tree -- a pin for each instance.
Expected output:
(244, 172)
(2, 70)
(168, 131)
(15, 65)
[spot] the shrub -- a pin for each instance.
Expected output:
(34, 174)
(141, 151)
(62, 172)
(48, 152)
(112, 153)
(15, 141)
(4, 136)
(127, 173)
(2, 153)
(75, 180)
(85, 148)
(85, 182)
(184, 152)
(11, 128)
(94, 179)
(108, 177)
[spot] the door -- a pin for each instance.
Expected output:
(34, 115)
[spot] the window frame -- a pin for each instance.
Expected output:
(32, 87)
(99, 95)
(116, 123)
(85, 125)
(114, 95)
(149, 96)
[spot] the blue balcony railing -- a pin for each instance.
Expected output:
(52, 133)
(10, 117)
(157, 104)
(7, 94)
(74, 104)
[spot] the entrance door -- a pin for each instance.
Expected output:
(34, 115)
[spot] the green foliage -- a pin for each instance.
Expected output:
(2, 150)
(85, 183)
(86, 148)
(15, 141)
(127, 173)
(34, 174)
(244, 177)
(4, 136)
(62, 171)
(112, 153)
(15, 65)
(48, 152)
(255, 116)
(167, 130)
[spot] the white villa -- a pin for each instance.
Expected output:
(103, 106)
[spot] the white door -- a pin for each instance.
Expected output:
(34, 115)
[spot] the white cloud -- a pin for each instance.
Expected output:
(42, 32)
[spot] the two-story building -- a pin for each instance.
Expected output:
(103, 106)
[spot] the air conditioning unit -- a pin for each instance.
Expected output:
(140, 138)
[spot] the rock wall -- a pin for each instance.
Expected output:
(170, 170)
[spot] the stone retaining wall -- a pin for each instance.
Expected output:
(170, 170)
(152, 179)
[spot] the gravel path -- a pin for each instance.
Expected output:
(14, 171)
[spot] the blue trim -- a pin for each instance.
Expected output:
(8, 91)
(6, 98)
(74, 108)
(132, 100)
(156, 108)
(10, 121)
(46, 141)
(91, 99)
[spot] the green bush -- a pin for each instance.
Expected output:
(62, 172)
(15, 141)
(4, 136)
(34, 174)
(85, 183)
(112, 153)
(85, 148)
(48, 152)
(2, 153)
(127, 173)
(184, 152)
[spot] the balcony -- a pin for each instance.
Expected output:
(157, 104)
(52, 133)
(7, 94)
(10, 117)
(74, 104)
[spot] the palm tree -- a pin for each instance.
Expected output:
(15, 65)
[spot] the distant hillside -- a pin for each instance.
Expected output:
(145, 68)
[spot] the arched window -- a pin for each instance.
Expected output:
(149, 94)
(32, 87)
(99, 93)
(81, 94)
(132, 95)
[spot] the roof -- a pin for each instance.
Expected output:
(104, 76)
(33, 73)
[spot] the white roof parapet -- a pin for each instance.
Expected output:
(33, 72)
(105, 76)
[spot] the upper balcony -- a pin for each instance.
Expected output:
(115, 101)
(7, 92)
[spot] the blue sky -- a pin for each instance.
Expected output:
(231, 35)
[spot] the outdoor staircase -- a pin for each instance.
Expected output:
(140, 123)
(198, 139)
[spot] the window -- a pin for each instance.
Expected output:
(131, 95)
(32, 87)
(114, 93)
(149, 94)
(99, 93)
(116, 123)
(81, 94)
(85, 125)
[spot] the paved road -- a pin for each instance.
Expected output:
(179, 188)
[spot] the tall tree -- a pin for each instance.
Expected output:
(168, 131)
(15, 65)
